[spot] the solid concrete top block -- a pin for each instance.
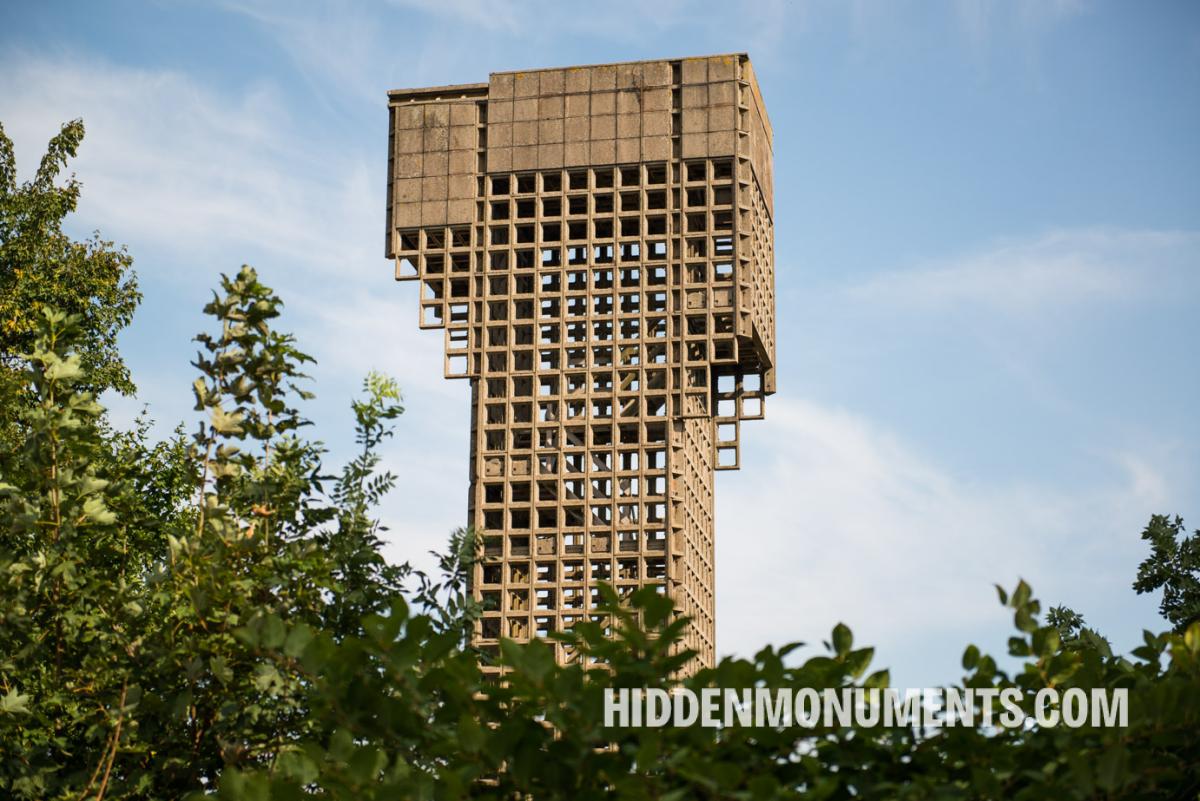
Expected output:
(605, 113)
(651, 79)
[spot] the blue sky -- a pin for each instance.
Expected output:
(988, 268)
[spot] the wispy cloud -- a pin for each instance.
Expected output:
(836, 518)
(339, 50)
(982, 21)
(620, 19)
(1059, 269)
(430, 41)
(501, 15)
(169, 162)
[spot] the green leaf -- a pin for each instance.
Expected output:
(296, 764)
(1046, 641)
(1112, 768)
(226, 423)
(65, 369)
(1191, 637)
(843, 639)
(880, 679)
(470, 733)
(341, 745)
(239, 786)
(273, 632)
(970, 657)
(297, 639)
(97, 512)
(1018, 647)
(858, 661)
(220, 669)
(1024, 620)
(267, 678)
(249, 635)
(200, 390)
(14, 703)
(1021, 594)
(366, 764)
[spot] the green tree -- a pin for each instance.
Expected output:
(1073, 629)
(414, 719)
(157, 598)
(1173, 567)
(92, 282)
(67, 616)
(41, 266)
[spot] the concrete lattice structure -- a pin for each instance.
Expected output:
(597, 243)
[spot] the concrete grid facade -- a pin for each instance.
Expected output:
(597, 245)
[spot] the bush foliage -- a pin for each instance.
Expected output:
(210, 614)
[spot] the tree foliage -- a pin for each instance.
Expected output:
(1173, 567)
(414, 721)
(154, 682)
(42, 266)
(250, 657)
(210, 615)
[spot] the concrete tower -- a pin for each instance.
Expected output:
(597, 244)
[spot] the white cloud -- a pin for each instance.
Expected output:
(168, 162)
(362, 330)
(834, 518)
(1059, 269)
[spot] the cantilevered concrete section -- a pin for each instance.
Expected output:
(597, 244)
